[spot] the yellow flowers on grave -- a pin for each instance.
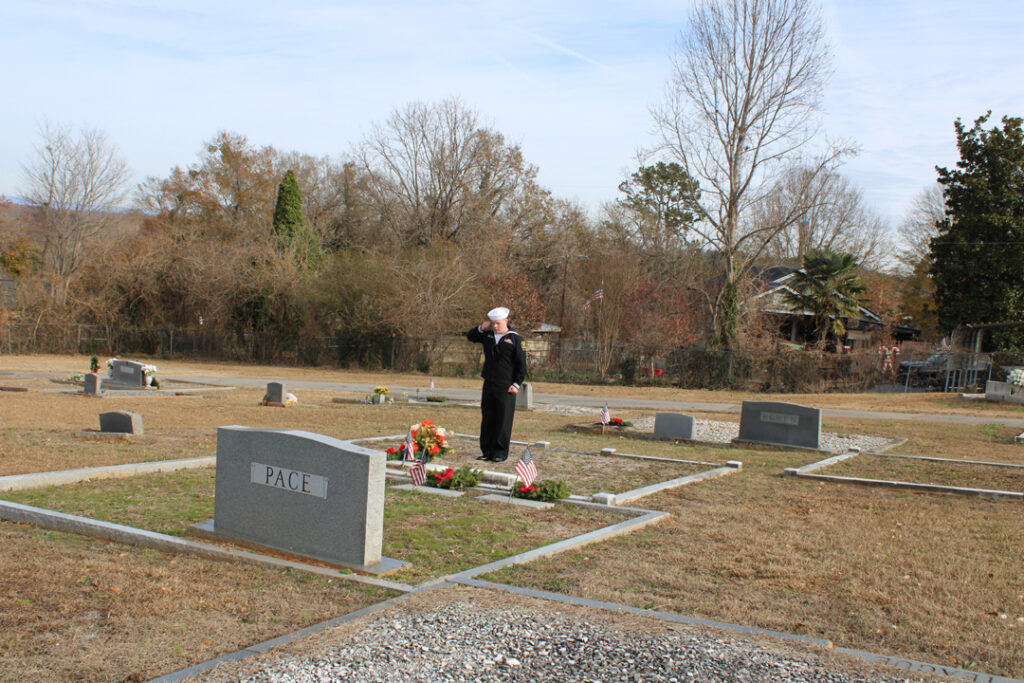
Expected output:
(380, 391)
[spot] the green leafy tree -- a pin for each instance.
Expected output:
(978, 253)
(829, 287)
(290, 226)
(663, 200)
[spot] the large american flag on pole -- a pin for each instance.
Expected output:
(525, 469)
(606, 417)
(596, 296)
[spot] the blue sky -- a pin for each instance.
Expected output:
(571, 82)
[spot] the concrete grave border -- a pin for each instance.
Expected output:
(808, 472)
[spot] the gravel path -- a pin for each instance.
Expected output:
(460, 641)
(718, 431)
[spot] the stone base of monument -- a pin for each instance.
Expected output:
(112, 437)
(207, 530)
(511, 500)
(272, 404)
(432, 490)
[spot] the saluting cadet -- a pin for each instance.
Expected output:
(503, 373)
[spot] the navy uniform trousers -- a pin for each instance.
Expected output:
(497, 409)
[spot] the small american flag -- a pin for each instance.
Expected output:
(410, 452)
(596, 296)
(606, 417)
(418, 473)
(525, 469)
(431, 383)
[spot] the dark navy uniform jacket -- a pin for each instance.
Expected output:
(504, 362)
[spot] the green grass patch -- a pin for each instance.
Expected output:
(436, 535)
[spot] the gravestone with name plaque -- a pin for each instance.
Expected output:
(781, 424)
(127, 374)
(302, 493)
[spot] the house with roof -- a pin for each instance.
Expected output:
(797, 326)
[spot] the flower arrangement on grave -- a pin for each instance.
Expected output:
(456, 480)
(290, 399)
(436, 399)
(149, 371)
(110, 366)
(1016, 378)
(380, 391)
(546, 491)
(618, 422)
(94, 364)
(428, 441)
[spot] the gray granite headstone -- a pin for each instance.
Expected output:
(674, 425)
(128, 373)
(275, 392)
(121, 422)
(303, 493)
(783, 424)
(999, 391)
(524, 399)
(93, 384)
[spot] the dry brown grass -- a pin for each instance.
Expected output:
(920, 575)
(78, 609)
(963, 474)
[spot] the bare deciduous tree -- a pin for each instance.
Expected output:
(920, 225)
(835, 218)
(437, 174)
(76, 182)
(741, 103)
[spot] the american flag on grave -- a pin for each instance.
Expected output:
(606, 417)
(410, 452)
(526, 470)
(418, 473)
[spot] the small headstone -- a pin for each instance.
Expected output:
(275, 393)
(997, 391)
(674, 425)
(524, 399)
(93, 384)
(121, 422)
(302, 493)
(128, 372)
(782, 424)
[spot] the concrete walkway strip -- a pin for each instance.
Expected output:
(674, 483)
(898, 662)
(59, 521)
(646, 518)
(19, 482)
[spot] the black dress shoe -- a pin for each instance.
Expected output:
(498, 459)
(482, 457)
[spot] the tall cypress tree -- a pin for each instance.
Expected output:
(978, 254)
(290, 225)
(288, 218)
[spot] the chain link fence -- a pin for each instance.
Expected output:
(577, 360)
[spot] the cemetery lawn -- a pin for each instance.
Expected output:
(80, 609)
(931, 577)
(437, 535)
(962, 474)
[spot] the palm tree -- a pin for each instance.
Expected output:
(829, 287)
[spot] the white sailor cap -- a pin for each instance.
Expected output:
(499, 313)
